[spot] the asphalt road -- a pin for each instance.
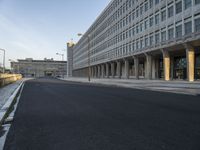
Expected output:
(58, 115)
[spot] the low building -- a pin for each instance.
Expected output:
(151, 39)
(39, 68)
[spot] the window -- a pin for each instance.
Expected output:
(197, 25)
(151, 40)
(197, 2)
(151, 22)
(156, 1)
(141, 27)
(163, 15)
(178, 7)
(137, 13)
(163, 36)
(146, 24)
(157, 19)
(141, 10)
(188, 28)
(170, 33)
(170, 11)
(188, 3)
(146, 41)
(157, 38)
(146, 6)
(150, 3)
(179, 31)
(137, 45)
(137, 29)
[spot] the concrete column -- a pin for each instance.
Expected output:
(166, 63)
(99, 71)
(107, 70)
(102, 71)
(113, 69)
(148, 73)
(119, 69)
(136, 66)
(190, 53)
(95, 70)
(126, 62)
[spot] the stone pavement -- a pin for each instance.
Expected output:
(176, 86)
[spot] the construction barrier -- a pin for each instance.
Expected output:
(9, 78)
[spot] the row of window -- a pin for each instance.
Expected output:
(103, 35)
(147, 41)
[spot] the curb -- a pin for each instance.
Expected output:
(7, 107)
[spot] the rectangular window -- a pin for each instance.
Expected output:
(137, 29)
(179, 7)
(133, 46)
(141, 27)
(157, 38)
(156, 2)
(137, 13)
(150, 3)
(146, 6)
(151, 22)
(137, 45)
(141, 10)
(163, 36)
(146, 42)
(157, 19)
(197, 2)
(197, 25)
(179, 31)
(151, 40)
(163, 15)
(170, 11)
(146, 24)
(188, 28)
(170, 33)
(188, 3)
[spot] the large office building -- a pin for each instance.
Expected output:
(40, 68)
(141, 39)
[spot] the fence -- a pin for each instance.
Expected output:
(9, 78)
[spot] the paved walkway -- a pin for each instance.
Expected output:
(182, 87)
(7, 91)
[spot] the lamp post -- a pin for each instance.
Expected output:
(88, 51)
(4, 55)
(61, 55)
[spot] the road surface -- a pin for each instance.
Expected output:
(58, 115)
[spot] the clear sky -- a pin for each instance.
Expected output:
(40, 28)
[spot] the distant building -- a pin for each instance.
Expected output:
(40, 68)
(151, 39)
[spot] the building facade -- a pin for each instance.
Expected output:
(40, 68)
(151, 39)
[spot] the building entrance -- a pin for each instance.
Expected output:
(180, 68)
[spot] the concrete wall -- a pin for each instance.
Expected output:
(9, 78)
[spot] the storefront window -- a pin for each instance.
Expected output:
(180, 68)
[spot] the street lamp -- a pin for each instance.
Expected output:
(88, 41)
(4, 55)
(61, 55)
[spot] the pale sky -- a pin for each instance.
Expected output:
(40, 28)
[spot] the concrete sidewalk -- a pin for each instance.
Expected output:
(6, 92)
(181, 87)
